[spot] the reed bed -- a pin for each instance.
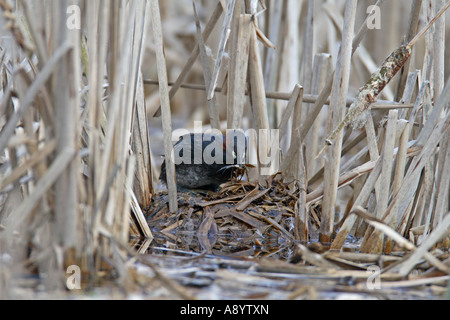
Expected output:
(91, 92)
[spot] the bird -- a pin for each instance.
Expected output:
(206, 160)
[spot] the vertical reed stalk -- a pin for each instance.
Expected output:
(337, 108)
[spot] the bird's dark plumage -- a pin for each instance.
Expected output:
(204, 161)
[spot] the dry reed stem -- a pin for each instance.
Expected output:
(371, 138)
(225, 33)
(256, 82)
(386, 170)
(272, 29)
(96, 73)
(288, 62)
(289, 110)
(413, 25)
(307, 98)
(434, 116)
(439, 51)
(213, 111)
(165, 106)
(321, 70)
(140, 145)
(207, 228)
(428, 26)
(441, 205)
(258, 93)
(301, 209)
(294, 169)
(237, 76)
(337, 108)
(400, 164)
(308, 45)
(66, 101)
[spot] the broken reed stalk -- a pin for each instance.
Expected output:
(378, 81)
(237, 75)
(293, 110)
(258, 94)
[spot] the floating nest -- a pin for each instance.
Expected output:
(242, 219)
(240, 243)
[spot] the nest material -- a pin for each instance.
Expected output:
(243, 218)
(239, 241)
